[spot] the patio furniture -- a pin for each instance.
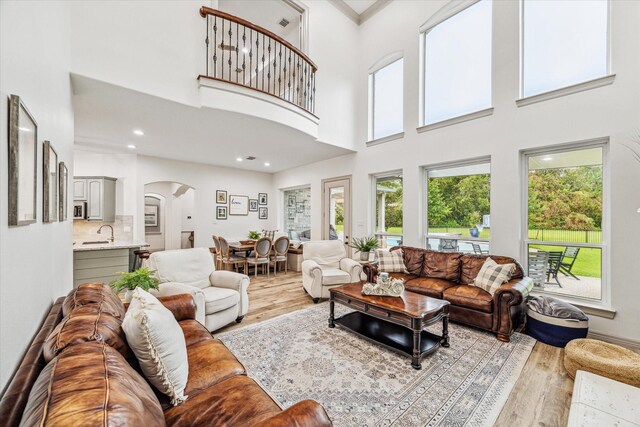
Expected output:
(538, 266)
(280, 249)
(555, 258)
(477, 249)
(227, 258)
(555, 322)
(448, 245)
(568, 259)
(261, 251)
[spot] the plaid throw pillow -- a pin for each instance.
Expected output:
(493, 275)
(390, 261)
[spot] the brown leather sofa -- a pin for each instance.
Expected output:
(80, 370)
(447, 275)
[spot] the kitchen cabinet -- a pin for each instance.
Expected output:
(100, 197)
(79, 189)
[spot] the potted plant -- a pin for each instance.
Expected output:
(364, 245)
(141, 278)
(253, 236)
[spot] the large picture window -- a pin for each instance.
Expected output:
(457, 64)
(386, 100)
(297, 213)
(564, 42)
(564, 240)
(388, 211)
(458, 208)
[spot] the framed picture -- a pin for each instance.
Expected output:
(300, 207)
(50, 184)
(221, 197)
(292, 201)
(253, 205)
(150, 215)
(23, 164)
(221, 212)
(262, 199)
(238, 205)
(263, 213)
(291, 214)
(63, 174)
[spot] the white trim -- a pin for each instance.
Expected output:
(343, 7)
(568, 90)
(455, 120)
(374, 201)
(445, 12)
(624, 342)
(368, 13)
(382, 63)
(373, 9)
(384, 139)
(386, 60)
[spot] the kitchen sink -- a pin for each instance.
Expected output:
(95, 242)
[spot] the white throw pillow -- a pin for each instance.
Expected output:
(390, 261)
(493, 275)
(157, 340)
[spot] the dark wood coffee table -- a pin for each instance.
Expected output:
(395, 322)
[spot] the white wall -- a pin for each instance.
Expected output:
(35, 260)
(610, 111)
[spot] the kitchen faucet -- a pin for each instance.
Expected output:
(107, 225)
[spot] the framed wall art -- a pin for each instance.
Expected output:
(221, 197)
(300, 207)
(263, 213)
(253, 205)
(238, 205)
(23, 164)
(262, 199)
(150, 215)
(50, 184)
(221, 212)
(292, 201)
(63, 179)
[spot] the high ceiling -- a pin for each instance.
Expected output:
(360, 6)
(106, 116)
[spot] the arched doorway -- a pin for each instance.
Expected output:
(168, 215)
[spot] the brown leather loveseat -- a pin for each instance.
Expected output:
(80, 370)
(447, 275)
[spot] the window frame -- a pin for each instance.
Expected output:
(425, 196)
(373, 206)
(605, 289)
(449, 10)
(575, 87)
(384, 62)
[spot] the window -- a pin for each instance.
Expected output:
(388, 212)
(385, 93)
(297, 213)
(458, 207)
(564, 43)
(564, 240)
(457, 64)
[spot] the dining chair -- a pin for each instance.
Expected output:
(218, 256)
(280, 250)
(227, 258)
(261, 251)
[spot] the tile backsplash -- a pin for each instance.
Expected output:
(84, 230)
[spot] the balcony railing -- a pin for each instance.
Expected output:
(245, 54)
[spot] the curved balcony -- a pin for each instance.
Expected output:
(251, 57)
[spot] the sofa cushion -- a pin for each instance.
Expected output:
(237, 401)
(98, 296)
(413, 259)
(91, 384)
(335, 276)
(158, 343)
(210, 362)
(85, 324)
(218, 299)
(470, 297)
(441, 265)
(429, 286)
(471, 265)
(390, 261)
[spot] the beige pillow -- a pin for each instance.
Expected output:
(158, 342)
(493, 275)
(390, 261)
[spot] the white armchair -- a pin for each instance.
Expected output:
(326, 266)
(220, 296)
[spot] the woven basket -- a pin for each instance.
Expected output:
(604, 359)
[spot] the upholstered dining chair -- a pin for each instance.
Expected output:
(261, 252)
(227, 258)
(218, 257)
(280, 250)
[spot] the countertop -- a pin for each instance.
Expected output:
(118, 244)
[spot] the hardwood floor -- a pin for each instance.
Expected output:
(540, 397)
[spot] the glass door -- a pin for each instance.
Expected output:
(336, 213)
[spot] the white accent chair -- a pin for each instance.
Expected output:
(220, 296)
(326, 266)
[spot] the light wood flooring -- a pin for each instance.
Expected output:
(541, 396)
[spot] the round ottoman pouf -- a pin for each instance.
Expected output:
(604, 359)
(554, 322)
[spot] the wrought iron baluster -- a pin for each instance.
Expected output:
(313, 92)
(280, 73)
(215, 46)
(244, 55)
(206, 42)
(222, 49)
(230, 44)
(289, 94)
(237, 51)
(263, 58)
(269, 69)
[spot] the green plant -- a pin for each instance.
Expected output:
(365, 244)
(253, 235)
(141, 278)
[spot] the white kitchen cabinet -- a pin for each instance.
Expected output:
(101, 198)
(79, 189)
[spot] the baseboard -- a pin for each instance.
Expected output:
(632, 344)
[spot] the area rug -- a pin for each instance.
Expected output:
(296, 357)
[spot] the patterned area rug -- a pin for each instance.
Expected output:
(296, 357)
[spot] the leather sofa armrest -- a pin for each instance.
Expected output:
(175, 288)
(370, 269)
(183, 306)
(508, 301)
(307, 413)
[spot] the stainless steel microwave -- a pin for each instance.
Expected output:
(79, 210)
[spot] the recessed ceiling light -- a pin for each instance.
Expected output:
(238, 159)
(547, 159)
(138, 132)
(131, 147)
(267, 164)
